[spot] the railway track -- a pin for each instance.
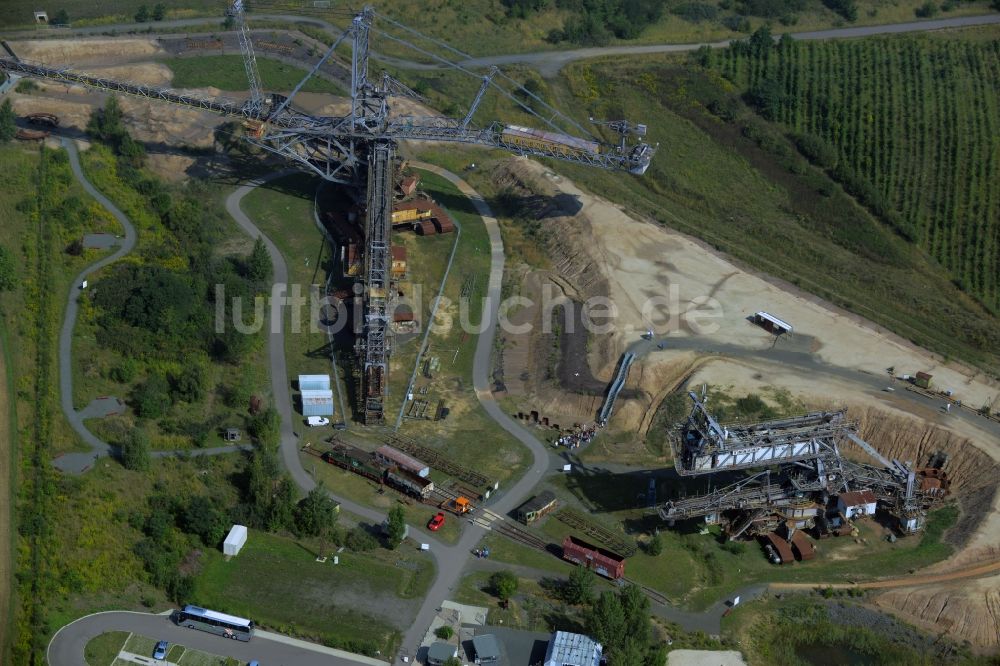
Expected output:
(578, 521)
(653, 595)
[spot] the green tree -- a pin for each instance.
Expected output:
(61, 18)
(768, 96)
(359, 540)
(8, 128)
(159, 11)
(189, 384)
(106, 124)
(259, 262)
(503, 584)
(262, 474)
(8, 270)
(181, 589)
(142, 15)
(622, 624)
(202, 518)
(579, 587)
(396, 526)
(606, 622)
(281, 513)
(125, 371)
(444, 632)
(655, 545)
(152, 398)
(135, 450)
(761, 41)
(316, 513)
(265, 427)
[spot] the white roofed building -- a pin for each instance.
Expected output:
(567, 649)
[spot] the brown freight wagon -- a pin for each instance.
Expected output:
(444, 225)
(425, 228)
(608, 564)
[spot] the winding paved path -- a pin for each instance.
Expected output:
(78, 462)
(548, 63)
(450, 559)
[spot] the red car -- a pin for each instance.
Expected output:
(436, 522)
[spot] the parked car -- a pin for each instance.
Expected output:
(254, 663)
(436, 522)
(160, 651)
(315, 421)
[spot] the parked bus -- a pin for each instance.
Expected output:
(229, 626)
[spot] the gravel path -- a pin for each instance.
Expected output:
(78, 462)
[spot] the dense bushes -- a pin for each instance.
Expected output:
(846, 8)
(621, 623)
(594, 21)
(695, 11)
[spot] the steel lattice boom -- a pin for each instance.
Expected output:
(358, 150)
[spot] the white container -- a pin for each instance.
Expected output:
(235, 540)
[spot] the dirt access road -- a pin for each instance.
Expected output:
(987, 569)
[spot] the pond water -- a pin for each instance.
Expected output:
(831, 655)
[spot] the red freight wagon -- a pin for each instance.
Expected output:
(604, 562)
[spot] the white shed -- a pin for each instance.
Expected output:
(235, 540)
(858, 503)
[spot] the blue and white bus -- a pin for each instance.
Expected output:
(230, 626)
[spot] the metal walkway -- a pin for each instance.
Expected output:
(616, 386)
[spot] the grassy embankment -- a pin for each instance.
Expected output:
(226, 72)
(37, 188)
(277, 582)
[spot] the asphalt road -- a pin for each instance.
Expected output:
(67, 646)
(548, 63)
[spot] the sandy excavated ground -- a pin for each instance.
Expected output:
(644, 260)
(968, 608)
(79, 53)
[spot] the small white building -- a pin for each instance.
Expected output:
(314, 382)
(317, 402)
(857, 503)
(234, 540)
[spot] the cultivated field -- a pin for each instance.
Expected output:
(917, 118)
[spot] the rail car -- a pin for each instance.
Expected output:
(369, 466)
(355, 460)
(562, 144)
(605, 562)
(409, 483)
